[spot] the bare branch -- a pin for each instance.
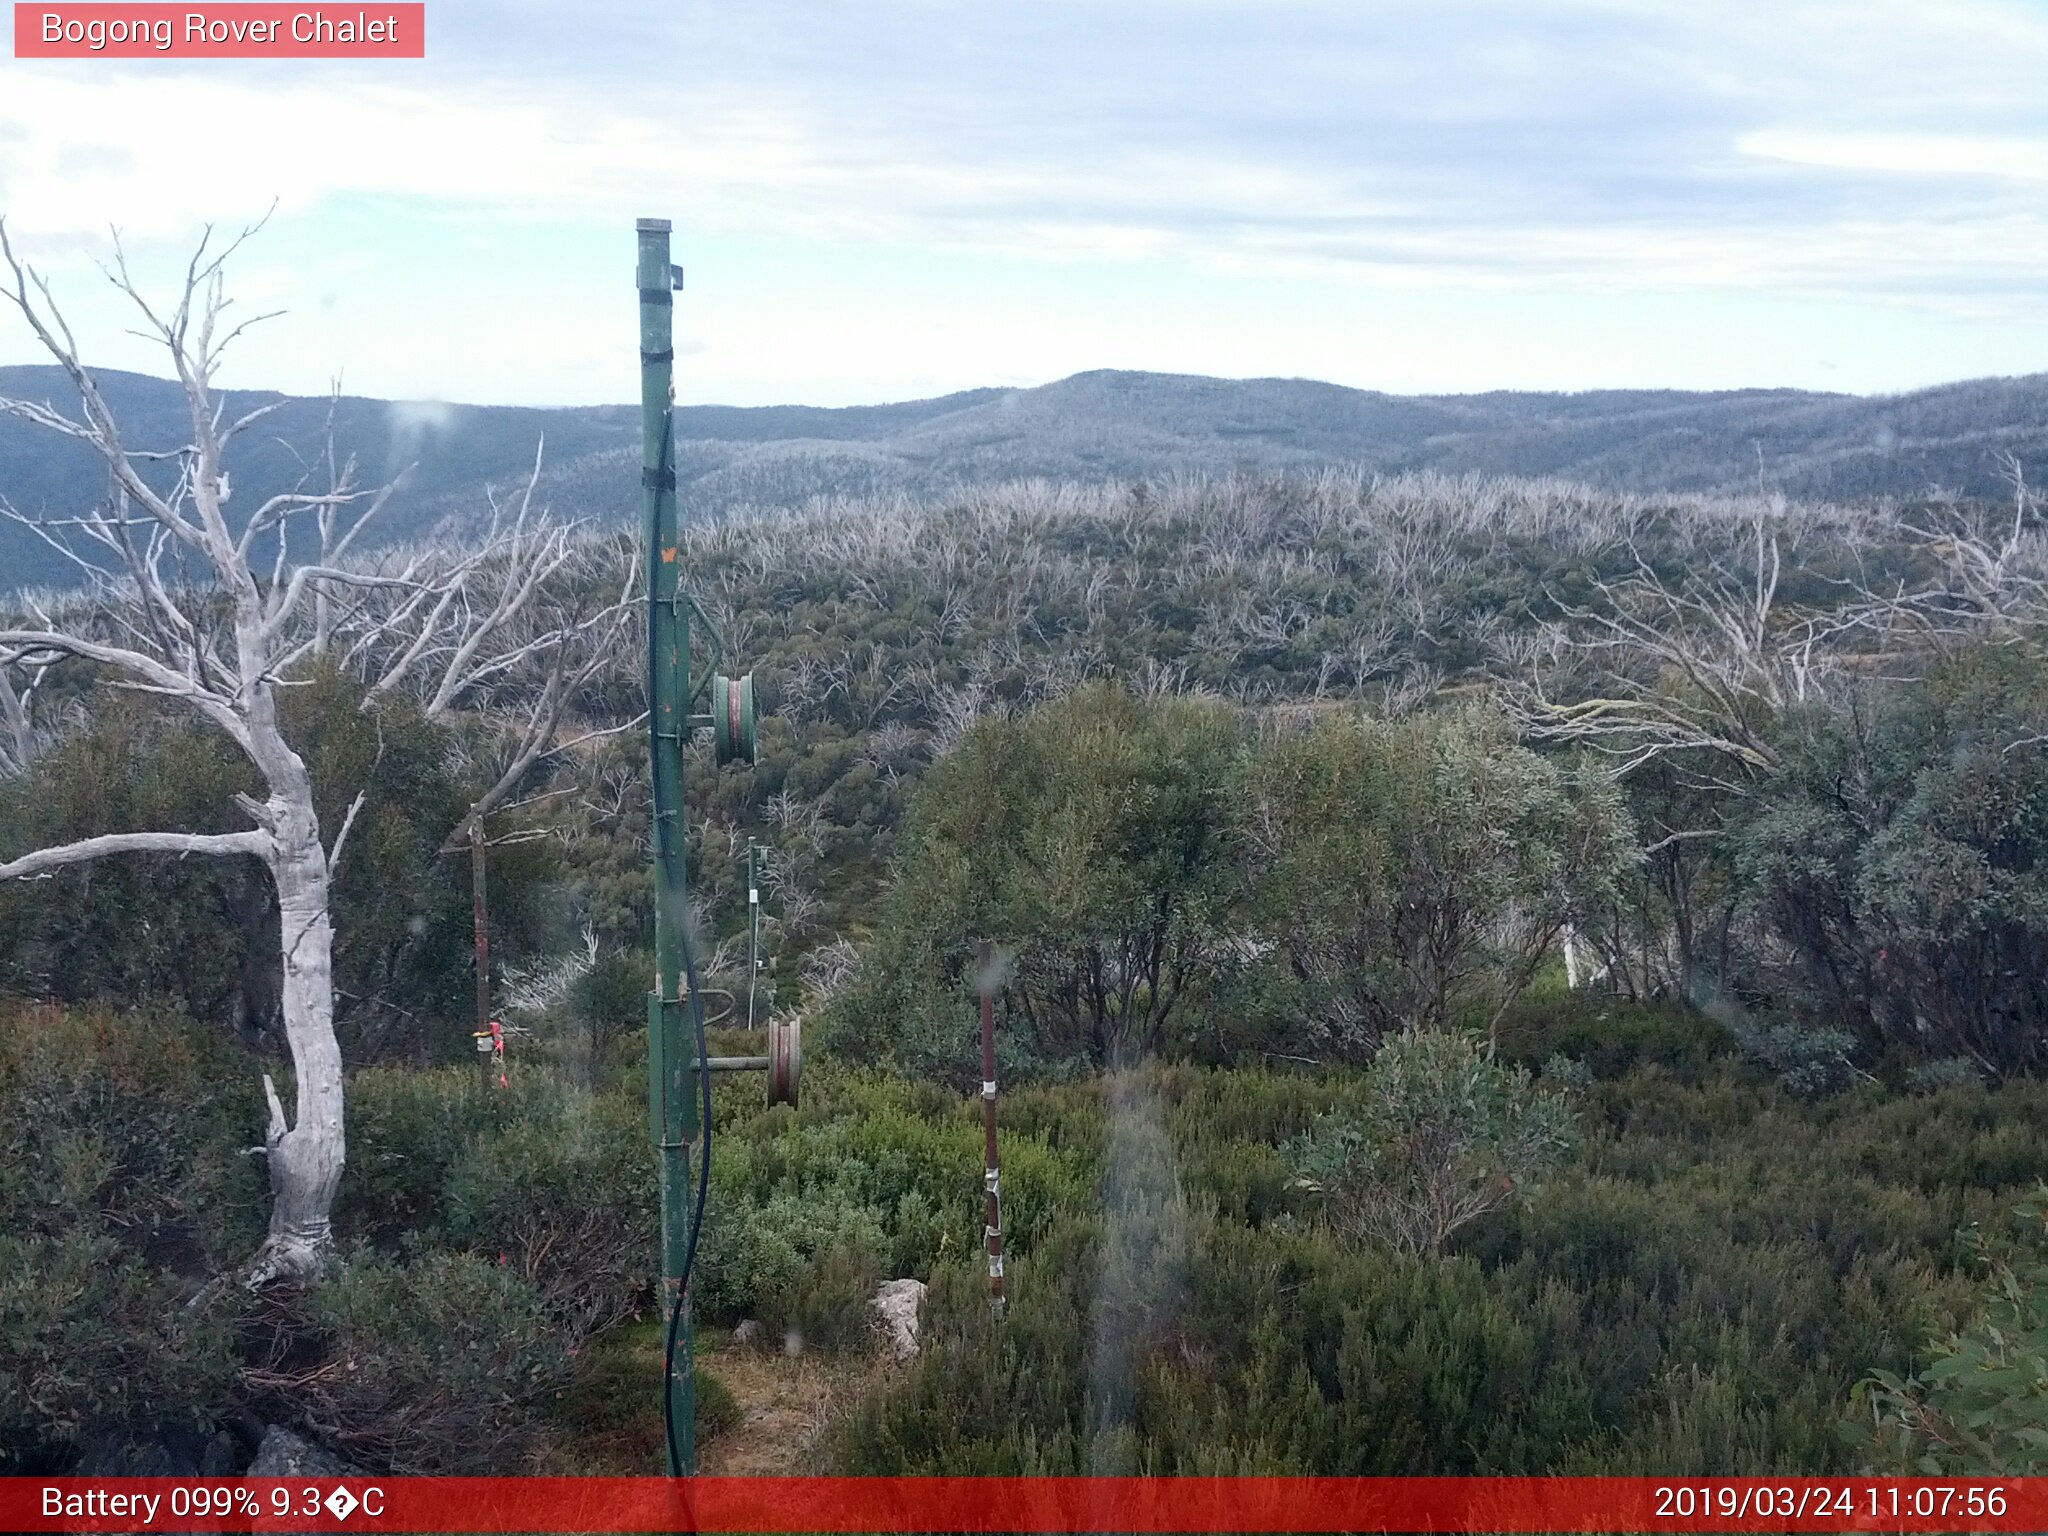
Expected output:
(255, 844)
(348, 820)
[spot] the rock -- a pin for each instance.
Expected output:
(284, 1454)
(119, 1456)
(896, 1305)
(222, 1456)
(748, 1334)
(172, 1448)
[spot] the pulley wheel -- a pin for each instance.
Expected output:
(732, 718)
(785, 1059)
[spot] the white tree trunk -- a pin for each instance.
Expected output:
(166, 637)
(306, 1155)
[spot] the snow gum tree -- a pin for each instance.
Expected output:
(182, 602)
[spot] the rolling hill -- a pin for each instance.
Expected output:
(1092, 426)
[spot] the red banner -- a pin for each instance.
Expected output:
(212, 31)
(1002, 1504)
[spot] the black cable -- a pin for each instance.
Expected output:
(668, 853)
(675, 1313)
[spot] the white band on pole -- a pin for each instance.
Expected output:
(988, 1089)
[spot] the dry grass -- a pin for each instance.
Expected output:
(787, 1405)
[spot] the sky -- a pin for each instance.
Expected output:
(901, 198)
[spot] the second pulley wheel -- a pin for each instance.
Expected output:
(785, 1059)
(733, 734)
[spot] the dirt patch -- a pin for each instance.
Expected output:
(786, 1404)
(611, 1419)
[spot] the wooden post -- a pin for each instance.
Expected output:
(992, 1178)
(480, 910)
(753, 934)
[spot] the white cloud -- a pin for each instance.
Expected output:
(1883, 150)
(1397, 133)
(1906, 154)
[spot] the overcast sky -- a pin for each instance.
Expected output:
(897, 199)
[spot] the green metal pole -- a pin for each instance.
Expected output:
(671, 1057)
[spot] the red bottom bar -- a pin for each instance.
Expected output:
(1020, 1504)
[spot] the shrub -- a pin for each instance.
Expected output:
(1981, 1406)
(93, 1340)
(830, 1305)
(1612, 1035)
(717, 1409)
(132, 1125)
(1944, 1073)
(761, 1259)
(875, 1178)
(1899, 859)
(555, 1179)
(566, 1196)
(1567, 1073)
(983, 1398)
(1810, 1060)
(1444, 1134)
(122, 1191)
(441, 1365)
(1408, 872)
(1093, 839)
(609, 1001)
(406, 1130)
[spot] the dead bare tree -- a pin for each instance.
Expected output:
(1701, 668)
(20, 740)
(176, 605)
(1989, 581)
(1682, 684)
(514, 631)
(867, 687)
(510, 634)
(337, 534)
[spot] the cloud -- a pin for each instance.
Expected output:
(1942, 155)
(1596, 134)
(1882, 150)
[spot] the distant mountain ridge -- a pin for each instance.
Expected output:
(1092, 426)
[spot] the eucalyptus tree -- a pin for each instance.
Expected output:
(178, 604)
(1680, 684)
(216, 613)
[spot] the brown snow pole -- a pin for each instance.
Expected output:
(480, 912)
(992, 1216)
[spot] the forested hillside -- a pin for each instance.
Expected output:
(1499, 976)
(1093, 427)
